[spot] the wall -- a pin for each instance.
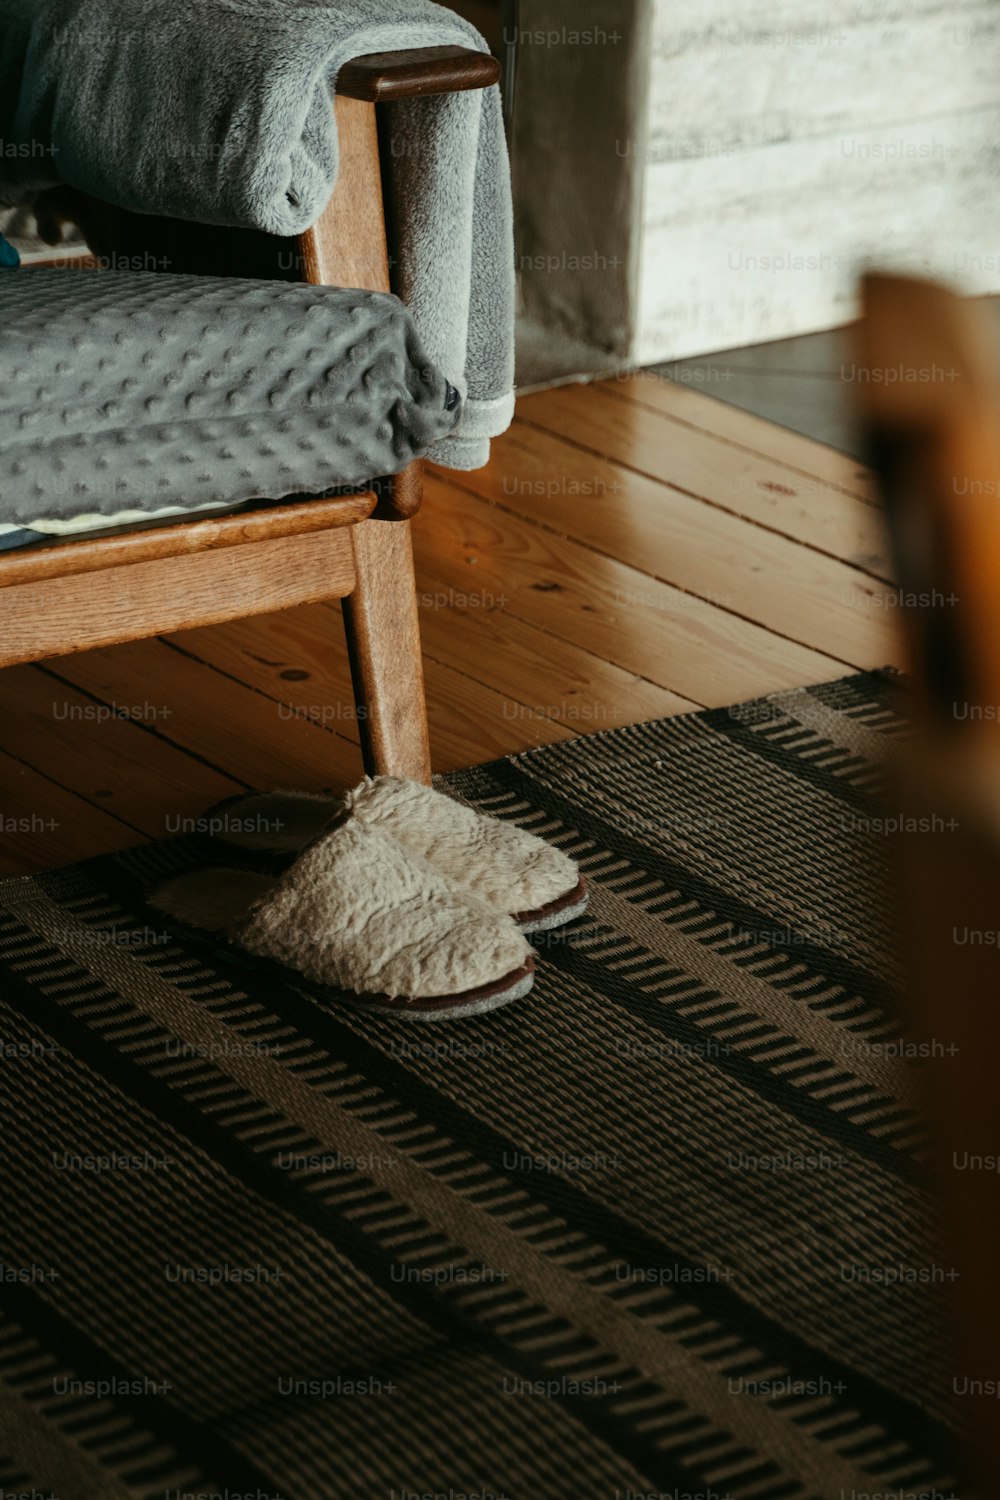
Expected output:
(790, 141)
(485, 15)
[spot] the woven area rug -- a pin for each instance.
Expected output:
(660, 1229)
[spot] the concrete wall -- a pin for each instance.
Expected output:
(791, 141)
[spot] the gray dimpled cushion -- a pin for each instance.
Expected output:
(144, 390)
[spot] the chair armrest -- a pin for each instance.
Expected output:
(383, 76)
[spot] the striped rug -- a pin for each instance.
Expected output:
(659, 1230)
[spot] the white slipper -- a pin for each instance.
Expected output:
(356, 916)
(502, 865)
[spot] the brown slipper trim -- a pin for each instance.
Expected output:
(487, 997)
(572, 898)
(440, 1004)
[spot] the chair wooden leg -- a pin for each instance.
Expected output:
(383, 638)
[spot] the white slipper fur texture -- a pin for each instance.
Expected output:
(356, 912)
(499, 863)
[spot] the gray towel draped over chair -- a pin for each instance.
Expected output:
(219, 112)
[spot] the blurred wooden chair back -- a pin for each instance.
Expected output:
(931, 406)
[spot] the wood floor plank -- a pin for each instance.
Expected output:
(743, 429)
(297, 659)
(643, 626)
(535, 670)
(794, 506)
(471, 723)
(760, 488)
(221, 721)
(102, 752)
(42, 825)
(765, 577)
(288, 658)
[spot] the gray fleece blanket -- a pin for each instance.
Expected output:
(219, 111)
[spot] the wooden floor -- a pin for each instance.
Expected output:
(635, 549)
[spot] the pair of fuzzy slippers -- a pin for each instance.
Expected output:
(395, 897)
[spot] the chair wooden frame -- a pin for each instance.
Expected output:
(77, 595)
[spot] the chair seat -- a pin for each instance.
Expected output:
(136, 394)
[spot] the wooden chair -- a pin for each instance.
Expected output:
(81, 594)
(932, 407)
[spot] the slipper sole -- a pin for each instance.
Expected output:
(557, 913)
(446, 1007)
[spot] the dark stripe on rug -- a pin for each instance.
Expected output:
(575, 960)
(825, 963)
(157, 1414)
